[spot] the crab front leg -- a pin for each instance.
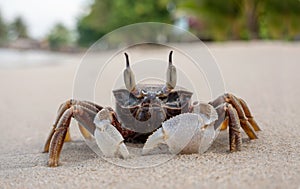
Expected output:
(85, 113)
(239, 115)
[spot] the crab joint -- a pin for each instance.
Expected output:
(171, 73)
(129, 78)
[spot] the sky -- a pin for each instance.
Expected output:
(41, 15)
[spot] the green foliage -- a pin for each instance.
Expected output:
(245, 19)
(221, 19)
(219, 8)
(59, 37)
(282, 7)
(3, 31)
(282, 18)
(107, 15)
(18, 28)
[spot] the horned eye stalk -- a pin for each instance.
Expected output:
(171, 74)
(129, 78)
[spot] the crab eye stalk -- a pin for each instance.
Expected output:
(171, 74)
(129, 78)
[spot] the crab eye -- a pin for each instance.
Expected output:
(144, 93)
(159, 93)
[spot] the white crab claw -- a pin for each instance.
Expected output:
(186, 133)
(175, 132)
(158, 137)
(208, 133)
(206, 111)
(108, 138)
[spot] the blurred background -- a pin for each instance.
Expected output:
(71, 26)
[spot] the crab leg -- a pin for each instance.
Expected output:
(228, 116)
(62, 108)
(58, 138)
(218, 104)
(65, 106)
(249, 115)
(231, 99)
(82, 115)
(235, 138)
(91, 106)
(248, 128)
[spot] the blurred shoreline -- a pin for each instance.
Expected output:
(17, 58)
(24, 58)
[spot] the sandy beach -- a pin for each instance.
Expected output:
(265, 74)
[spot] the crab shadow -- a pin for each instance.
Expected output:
(78, 151)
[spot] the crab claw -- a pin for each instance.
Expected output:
(108, 138)
(175, 132)
(186, 133)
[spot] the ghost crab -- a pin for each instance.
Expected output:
(152, 114)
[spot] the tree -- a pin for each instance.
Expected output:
(107, 15)
(58, 37)
(221, 19)
(19, 28)
(252, 12)
(246, 19)
(3, 31)
(281, 18)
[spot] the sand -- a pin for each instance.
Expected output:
(266, 74)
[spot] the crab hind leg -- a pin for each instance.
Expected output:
(228, 116)
(235, 137)
(249, 115)
(247, 127)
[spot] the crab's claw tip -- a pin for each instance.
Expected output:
(154, 140)
(123, 150)
(110, 142)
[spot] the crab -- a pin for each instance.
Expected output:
(153, 114)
